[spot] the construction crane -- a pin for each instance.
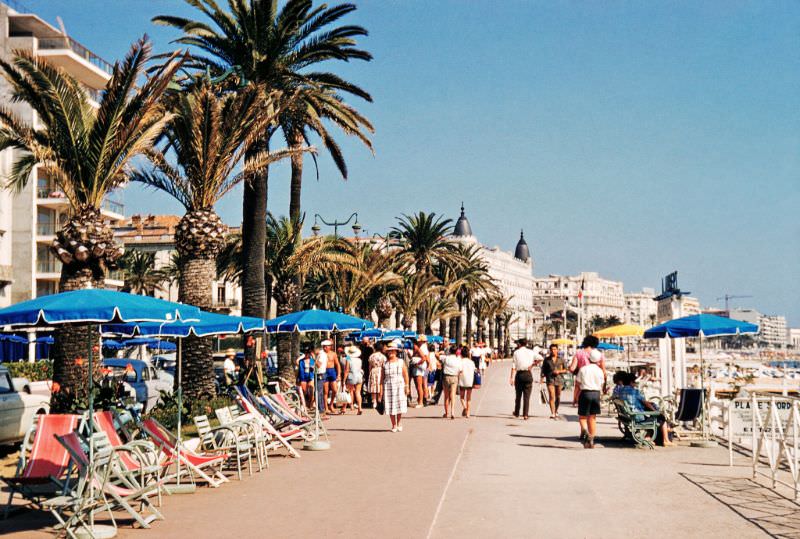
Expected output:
(728, 297)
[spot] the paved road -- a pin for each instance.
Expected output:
(488, 476)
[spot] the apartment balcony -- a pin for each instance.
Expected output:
(53, 198)
(225, 305)
(76, 60)
(46, 231)
(48, 269)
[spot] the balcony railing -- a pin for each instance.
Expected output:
(225, 303)
(69, 43)
(46, 229)
(49, 191)
(48, 266)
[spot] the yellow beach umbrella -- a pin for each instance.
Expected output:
(562, 341)
(623, 330)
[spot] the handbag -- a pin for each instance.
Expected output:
(544, 395)
(343, 397)
(380, 407)
(476, 383)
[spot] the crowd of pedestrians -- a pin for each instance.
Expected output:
(392, 376)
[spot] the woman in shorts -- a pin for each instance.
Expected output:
(305, 375)
(466, 379)
(592, 380)
(354, 375)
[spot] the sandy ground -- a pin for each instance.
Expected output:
(489, 476)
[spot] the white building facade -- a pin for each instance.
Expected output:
(583, 296)
(641, 308)
(513, 273)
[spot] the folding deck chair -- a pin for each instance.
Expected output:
(225, 438)
(195, 463)
(284, 437)
(689, 410)
(248, 427)
(113, 495)
(39, 474)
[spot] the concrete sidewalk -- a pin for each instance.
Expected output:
(489, 476)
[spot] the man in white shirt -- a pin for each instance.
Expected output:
(521, 378)
(321, 366)
(229, 367)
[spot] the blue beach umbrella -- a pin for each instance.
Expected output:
(316, 320)
(93, 306)
(700, 325)
(609, 346)
(203, 325)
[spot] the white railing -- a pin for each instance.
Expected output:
(774, 436)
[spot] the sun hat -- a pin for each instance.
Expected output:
(353, 351)
(422, 338)
(326, 342)
(230, 352)
(595, 356)
(396, 344)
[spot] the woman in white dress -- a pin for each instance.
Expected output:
(394, 386)
(376, 361)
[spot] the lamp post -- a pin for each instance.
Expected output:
(335, 224)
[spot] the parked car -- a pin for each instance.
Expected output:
(18, 406)
(142, 377)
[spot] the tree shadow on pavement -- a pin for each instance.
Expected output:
(763, 507)
(615, 442)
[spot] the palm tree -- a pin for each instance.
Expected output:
(209, 136)
(141, 275)
(472, 273)
(273, 48)
(424, 240)
(88, 152)
(412, 296)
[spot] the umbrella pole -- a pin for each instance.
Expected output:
(704, 441)
(178, 488)
(91, 426)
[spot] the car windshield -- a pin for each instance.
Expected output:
(5, 383)
(129, 375)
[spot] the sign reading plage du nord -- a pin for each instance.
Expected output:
(742, 416)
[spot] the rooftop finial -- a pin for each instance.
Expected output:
(462, 208)
(521, 234)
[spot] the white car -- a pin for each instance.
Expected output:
(20, 401)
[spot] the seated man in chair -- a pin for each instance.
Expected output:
(636, 401)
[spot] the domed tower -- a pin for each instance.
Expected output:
(522, 252)
(462, 228)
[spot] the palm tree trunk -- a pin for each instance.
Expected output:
(71, 346)
(468, 330)
(295, 191)
(285, 294)
(459, 324)
(194, 288)
(443, 328)
(254, 238)
(491, 333)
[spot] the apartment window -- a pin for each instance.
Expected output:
(45, 288)
(221, 295)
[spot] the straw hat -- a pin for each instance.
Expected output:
(394, 345)
(353, 351)
(326, 342)
(230, 352)
(422, 338)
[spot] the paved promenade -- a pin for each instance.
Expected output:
(489, 476)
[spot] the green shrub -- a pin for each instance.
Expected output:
(34, 372)
(166, 411)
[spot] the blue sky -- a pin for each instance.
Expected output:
(628, 138)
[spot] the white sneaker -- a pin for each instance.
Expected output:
(400, 428)
(394, 429)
